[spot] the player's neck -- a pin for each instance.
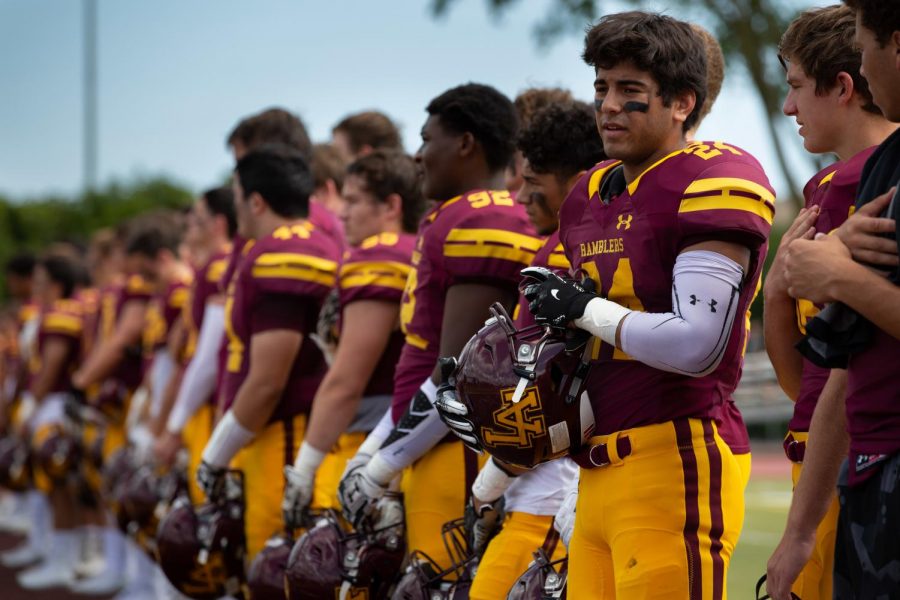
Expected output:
(633, 170)
(481, 179)
(865, 131)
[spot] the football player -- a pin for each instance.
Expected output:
(673, 236)
(833, 106)
(847, 269)
(467, 251)
(272, 368)
(527, 104)
(384, 204)
(212, 220)
(557, 147)
(56, 350)
(153, 253)
(359, 134)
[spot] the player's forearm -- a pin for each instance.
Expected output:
(825, 450)
(168, 401)
(873, 296)
(781, 335)
(100, 364)
(334, 407)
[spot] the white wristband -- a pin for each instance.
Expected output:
(227, 439)
(430, 390)
(491, 482)
(308, 459)
(379, 470)
(601, 318)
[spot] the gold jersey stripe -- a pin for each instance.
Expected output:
(478, 251)
(392, 267)
(726, 202)
(294, 259)
(62, 323)
(395, 281)
(216, 270)
(559, 260)
(293, 272)
(724, 185)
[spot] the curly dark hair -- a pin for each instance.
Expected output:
(485, 113)
(666, 48)
(883, 18)
(562, 139)
(387, 172)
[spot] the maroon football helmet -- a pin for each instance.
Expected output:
(543, 580)
(523, 392)
(58, 456)
(202, 551)
(424, 579)
(329, 558)
(15, 463)
(265, 577)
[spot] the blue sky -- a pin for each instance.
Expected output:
(176, 75)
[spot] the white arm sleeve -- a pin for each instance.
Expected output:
(417, 431)
(377, 436)
(691, 339)
(199, 379)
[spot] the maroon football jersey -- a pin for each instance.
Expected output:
(130, 369)
(479, 237)
(63, 321)
(280, 284)
(162, 311)
(377, 270)
(206, 285)
(833, 190)
(551, 256)
(707, 191)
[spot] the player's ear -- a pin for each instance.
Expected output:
(845, 87)
(257, 204)
(393, 207)
(683, 105)
(466, 144)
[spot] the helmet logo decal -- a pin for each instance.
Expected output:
(351, 593)
(516, 424)
(204, 576)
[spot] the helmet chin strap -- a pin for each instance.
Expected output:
(520, 389)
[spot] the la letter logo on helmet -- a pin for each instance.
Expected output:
(516, 424)
(624, 221)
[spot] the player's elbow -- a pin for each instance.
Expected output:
(697, 359)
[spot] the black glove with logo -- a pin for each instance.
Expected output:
(555, 300)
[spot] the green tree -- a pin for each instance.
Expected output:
(749, 31)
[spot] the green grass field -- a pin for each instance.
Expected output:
(767, 501)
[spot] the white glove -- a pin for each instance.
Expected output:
(299, 482)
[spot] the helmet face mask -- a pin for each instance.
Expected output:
(543, 580)
(524, 392)
(424, 579)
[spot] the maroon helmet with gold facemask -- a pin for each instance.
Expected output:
(523, 392)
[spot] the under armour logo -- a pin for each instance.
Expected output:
(624, 221)
(694, 300)
(712, 305)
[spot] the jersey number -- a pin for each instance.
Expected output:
(621, 291)
(498, 198)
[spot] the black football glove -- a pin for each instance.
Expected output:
(482, 524)
(555, 300)
(454, 413)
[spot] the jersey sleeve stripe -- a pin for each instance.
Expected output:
(491, 243)
(62, 324)
(726, 201)
(391, 267)
(559, 261)
(216, 270)
(730, 184)
(387, 280)
(295, 260)
(294, 272)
